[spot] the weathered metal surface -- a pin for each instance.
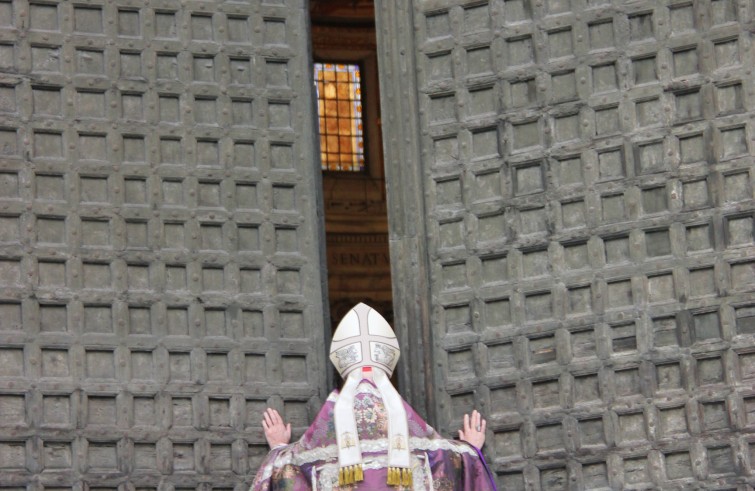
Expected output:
(571, 210)
(160, 240)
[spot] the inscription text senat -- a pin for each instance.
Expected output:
(360, 258)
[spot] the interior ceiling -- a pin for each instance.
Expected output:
(352, 12)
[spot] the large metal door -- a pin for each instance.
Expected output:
(571, 212)
(160, 249)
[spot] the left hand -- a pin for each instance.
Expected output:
(473, 430)
(277, 433)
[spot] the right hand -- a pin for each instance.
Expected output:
(473, 429)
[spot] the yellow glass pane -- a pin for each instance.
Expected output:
(332, 126)
(340, 111)
(344, 126)
(331, 109)
(344, 92)
(345, 142)
(332, 143)
(344, 109)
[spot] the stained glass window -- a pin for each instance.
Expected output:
(339, 110)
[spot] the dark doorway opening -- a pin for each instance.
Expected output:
(356, 221)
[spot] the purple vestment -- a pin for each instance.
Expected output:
(312, 462)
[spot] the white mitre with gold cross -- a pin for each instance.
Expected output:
(364, 340)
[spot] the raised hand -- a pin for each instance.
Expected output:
(277, 433)
(473, 429)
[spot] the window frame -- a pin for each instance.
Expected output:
(360, 62)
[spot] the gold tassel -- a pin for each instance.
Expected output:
(393, 476)
(406, 477)
(349, 475)
(398, 476)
